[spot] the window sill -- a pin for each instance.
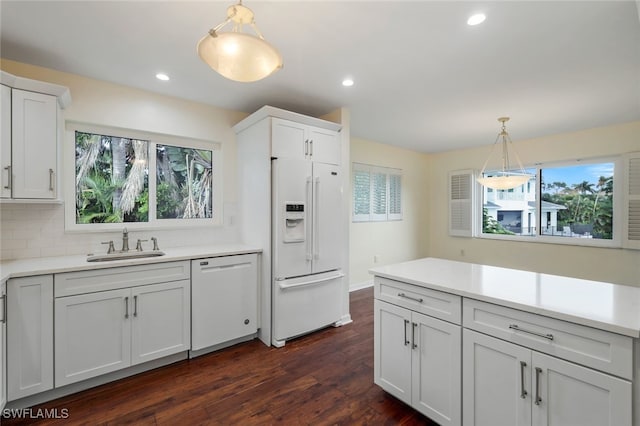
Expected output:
(566, 241)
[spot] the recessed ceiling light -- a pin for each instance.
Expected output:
(347, 82)
(162, 76)
(476, 19)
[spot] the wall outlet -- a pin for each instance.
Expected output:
(376, 258)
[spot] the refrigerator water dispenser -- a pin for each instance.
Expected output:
(293, 222)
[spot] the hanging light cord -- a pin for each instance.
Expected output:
(505, 151)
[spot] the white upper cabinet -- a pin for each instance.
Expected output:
(5, 142)
(296, 140)
(30, 137)
(34, 143)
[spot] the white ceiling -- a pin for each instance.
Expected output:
(424, 79)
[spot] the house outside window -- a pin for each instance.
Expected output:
(572, 203)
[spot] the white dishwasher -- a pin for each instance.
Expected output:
(224, 301)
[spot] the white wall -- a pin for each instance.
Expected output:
(38, 230)
(601, 264)
(393, 241)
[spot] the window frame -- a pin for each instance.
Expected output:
(371, 216)
(618, 216)
(153, 139)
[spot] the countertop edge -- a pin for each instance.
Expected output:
(43, 265)
(576, 319)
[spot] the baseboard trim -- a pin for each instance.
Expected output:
(360, 285)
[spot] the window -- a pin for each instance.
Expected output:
(571, 203)
(377, 193)
(127, 177)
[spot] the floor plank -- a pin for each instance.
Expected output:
(325, 378)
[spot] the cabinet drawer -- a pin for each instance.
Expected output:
(434, 303)
(80, 282)
(602, 350)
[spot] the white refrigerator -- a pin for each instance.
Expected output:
(307, 247)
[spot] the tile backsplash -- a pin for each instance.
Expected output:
(37, 230)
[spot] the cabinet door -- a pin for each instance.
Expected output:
(5, 142)
(33, 144)
(496, 382)
(436, 361)
(392, 349)
(324, 145)
(29, 336)
(93, 335)
(572, 395)
(3, 345)
(160, 320)
(289, 139)
(225, 299)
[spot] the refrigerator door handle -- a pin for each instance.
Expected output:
(316, 220)
(309, 216)
(283, 285)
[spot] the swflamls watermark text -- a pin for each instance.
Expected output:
(35, 413)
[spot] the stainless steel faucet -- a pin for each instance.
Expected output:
(125, 240)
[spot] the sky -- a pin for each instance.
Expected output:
(576, 174)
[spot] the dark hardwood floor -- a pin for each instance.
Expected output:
(325, 378)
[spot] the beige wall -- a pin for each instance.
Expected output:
(394, 241)
(602, 264)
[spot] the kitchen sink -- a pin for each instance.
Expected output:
(123, 255)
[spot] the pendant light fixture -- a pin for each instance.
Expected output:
(506, 178)
(236, 55)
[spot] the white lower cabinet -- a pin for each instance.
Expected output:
(29, 336)
(3, 345)
(93, 335)
(417, 359)
(510, 385)
(104, 331)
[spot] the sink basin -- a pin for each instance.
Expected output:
(123, 255)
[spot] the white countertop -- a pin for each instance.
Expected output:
(602, 305)
(59, 264)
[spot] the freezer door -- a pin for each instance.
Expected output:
(327, 231)
(292, 246)
(305, 304)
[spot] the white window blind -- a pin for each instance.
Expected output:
(395, 197)
(361, 194)
(631, 237)
(377, 193)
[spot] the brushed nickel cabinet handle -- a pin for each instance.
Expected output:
(8, 185)
(306, 147)
(4, 309)
(406, 341)
(311, 148)
(413, 336)
(51, 174)
(135, 305)
(535, 333)
(523, 392)
(126, 307)
(410, 298)
(538, 399)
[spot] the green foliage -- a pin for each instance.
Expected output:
(586, 204)
(492, 226)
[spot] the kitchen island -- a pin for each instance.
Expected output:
(480, 345)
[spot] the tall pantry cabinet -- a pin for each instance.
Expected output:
(29, 136)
